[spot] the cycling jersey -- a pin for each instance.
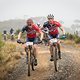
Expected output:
(31, 32)
(53, 28)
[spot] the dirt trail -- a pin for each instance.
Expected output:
(69, 66)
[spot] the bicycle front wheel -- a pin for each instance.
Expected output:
(28, 63)
(55, 59)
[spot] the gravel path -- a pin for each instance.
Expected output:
(69, 66)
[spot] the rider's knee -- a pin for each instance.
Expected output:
(58, 42)
(24, 46)
(35, 46)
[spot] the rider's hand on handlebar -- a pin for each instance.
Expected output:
(18, 41)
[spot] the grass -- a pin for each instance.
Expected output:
(73, 37)
(71, 43)
(9, 56)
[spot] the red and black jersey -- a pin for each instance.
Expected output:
(31, 32)
(53, 28)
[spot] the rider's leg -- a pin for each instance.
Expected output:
(35, 51)
(59, 50)
(25, 47)
(35, 54)
(51, 53)
(51, 49)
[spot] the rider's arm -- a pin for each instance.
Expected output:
(19, 35)
(39, 31)
(61, 28)
(41, 35)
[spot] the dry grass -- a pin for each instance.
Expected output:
(71, 43)
(9, 56)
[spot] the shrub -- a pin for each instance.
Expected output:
(70, 36)
(17, 31)
(7, 51)
(73, 37)
(77, 40)
(1, 42)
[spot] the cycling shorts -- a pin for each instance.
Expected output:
(54, 36)
(34, 40)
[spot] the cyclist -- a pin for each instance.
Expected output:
(45, 36)
(38, 24)
(32, 32)
(4, 34)
(12, 33)
(53, 26)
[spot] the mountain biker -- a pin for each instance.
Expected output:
(45, 36)
(53, 26)
(32, 32)
(38, 24)
(4, 34)
(12, 31)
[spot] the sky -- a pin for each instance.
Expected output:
(65, 10)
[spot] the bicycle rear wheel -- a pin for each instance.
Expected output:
(55, 59)
(32, 64)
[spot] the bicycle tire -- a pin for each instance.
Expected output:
(32, 65)
(29, 63)
(55, 59)
(32, 60)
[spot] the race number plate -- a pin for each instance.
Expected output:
(53, 40)
(29, 43)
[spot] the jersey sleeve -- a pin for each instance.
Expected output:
(23, 29)
(45, 24)
(58, 24)
(36, 28)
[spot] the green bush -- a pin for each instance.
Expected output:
(17, 31)
(77, 40)
(7, 51)
(1, 42)
(73, 37)
(1, 45)
(70, 36)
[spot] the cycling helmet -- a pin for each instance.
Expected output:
(50, 16)
(38, 24)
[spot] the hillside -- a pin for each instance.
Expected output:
(19, 23)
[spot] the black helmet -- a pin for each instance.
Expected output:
(50, 16)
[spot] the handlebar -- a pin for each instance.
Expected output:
(62, 37)
(21, 42)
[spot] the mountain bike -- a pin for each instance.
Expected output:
(30, 60)
(54, 44)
